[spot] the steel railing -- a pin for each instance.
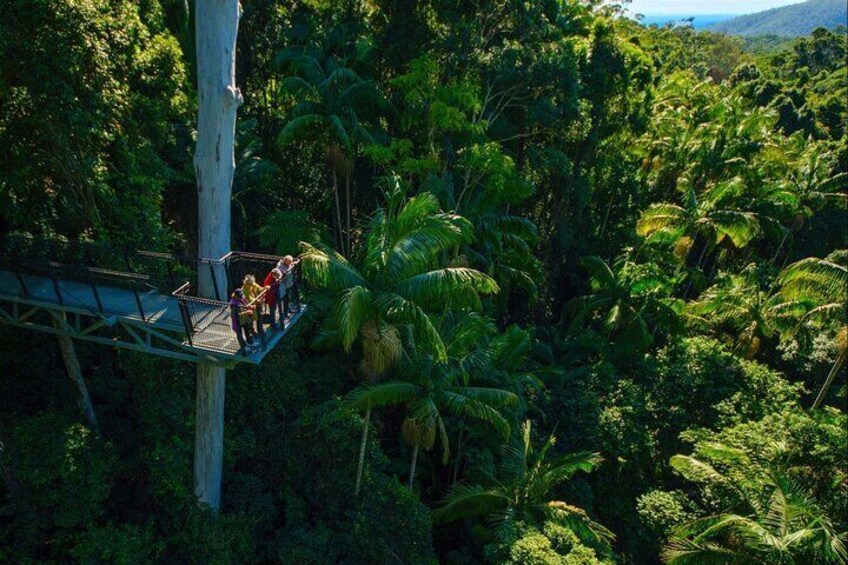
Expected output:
(95, 267)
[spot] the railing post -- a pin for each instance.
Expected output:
(170, 273)
(189, 328)
(94, 289)
(56, 289)
(214, 280)
(138, 301)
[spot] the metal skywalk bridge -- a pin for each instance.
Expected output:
(143, 301)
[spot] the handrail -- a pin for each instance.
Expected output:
(94, 265)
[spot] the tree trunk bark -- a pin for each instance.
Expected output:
(458, 456)
(412, 466)
(830, 377)
(348, 175)
(697, 267)
(362, 445)
(339, 213)
(72, 365)
(606, 219)
(214, 165)
(780, 247)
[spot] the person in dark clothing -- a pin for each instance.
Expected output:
(242, 319)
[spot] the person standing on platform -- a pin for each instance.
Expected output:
(252, 290)
(242, 319)
(272, 283)
(288, 287)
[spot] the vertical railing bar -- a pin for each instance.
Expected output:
(214, 280)
(134, 286)
(51, 270)
(227, 264)
(186, 320)
(170, 270)
(94, 289)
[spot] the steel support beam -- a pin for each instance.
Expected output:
(138, 337)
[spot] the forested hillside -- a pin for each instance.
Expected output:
(576, 288)
(792, 20)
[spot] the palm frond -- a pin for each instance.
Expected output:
(464, 501)
(565, 467)
(601, 276)
(579, 522)
(739, 227)
(447, 288)
(462, 405)
(695, 470)
(685, 552)
(352, 309)
(382, 394)
(300, 127)
(818, 279)
(326, 268)
(660, 217)
(399, 310)
(339, 131)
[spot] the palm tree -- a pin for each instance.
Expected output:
(807, 184)
(813, 291)
(739, 303)
(430, 391)
(525, 491)
(330, 101)
(398, 283)
(627, 305)
(712, 216)
(789, 527)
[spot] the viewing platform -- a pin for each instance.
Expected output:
(142, 300)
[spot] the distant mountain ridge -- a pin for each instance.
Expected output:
(699, 21)
(792, 20)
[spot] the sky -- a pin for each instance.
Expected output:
(690, 7)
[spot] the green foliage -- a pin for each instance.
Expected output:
(551, 544)
(511, 211)
(116, 130)
(762, 498)
(327, 523)
(123, 545)
(59, 475)
(659, 511)
(524, 494)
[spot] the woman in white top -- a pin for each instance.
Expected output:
(287, 286)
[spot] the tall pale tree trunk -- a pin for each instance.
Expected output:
(72, 365)
(214, 165)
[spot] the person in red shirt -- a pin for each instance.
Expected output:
(272, 283)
